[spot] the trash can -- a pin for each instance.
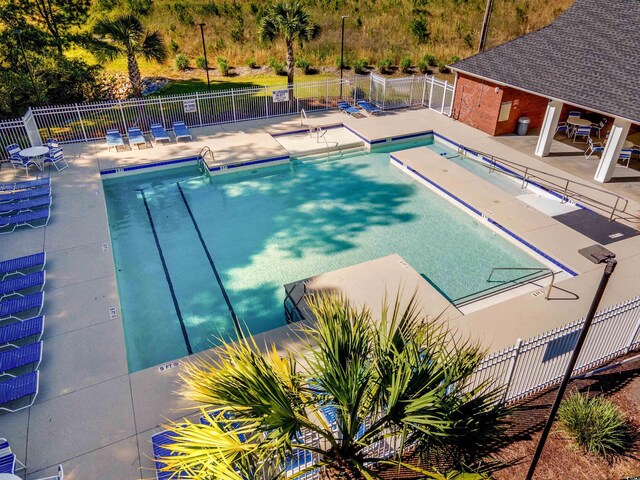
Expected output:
(523, 125)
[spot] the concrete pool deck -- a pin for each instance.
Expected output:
(96, 419)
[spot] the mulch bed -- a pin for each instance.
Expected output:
(560, 458)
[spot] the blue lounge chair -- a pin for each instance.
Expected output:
(594, 147)
(36, 219)
(136, 137)
(17, 284)
(58, 476)
(22, 265)
(370, 108)
(159, 134)
(159, 442)
(8, 460)
(11, 307)
(22, 194)
(26, 205)
(39, 182)
(18, 162)
(18, 357)
(55, 157)
(114, 139)
(181, 131)
(19, 332)
(349, 109)
(17, 388)
(583, 132)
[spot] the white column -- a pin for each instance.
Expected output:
(608, 161)
(548, 130)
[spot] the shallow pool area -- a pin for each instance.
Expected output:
(193, 253)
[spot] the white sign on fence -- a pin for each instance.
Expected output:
(190, 106)
(280, 96)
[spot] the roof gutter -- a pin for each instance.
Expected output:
(459, 70)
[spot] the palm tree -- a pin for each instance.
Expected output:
(360, 384)
(126, 36)
(291, 21)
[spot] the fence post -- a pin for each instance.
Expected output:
(371, 86)
(233, 104)
(444, 97)
(199, 109)
(266, 101)
(384, 92)
(124, 121)
(84, 133)
(327, 97)
(424, 88)
(633, 336)
(431, 92)
(164, 122)
(411, 91)
(512, 369)
(297, 98)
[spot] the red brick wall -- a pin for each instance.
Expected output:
(478, 104)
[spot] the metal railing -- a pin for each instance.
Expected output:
(566, 189)
(83, 122)
(202, 165)
(525, 269)
(532, 365)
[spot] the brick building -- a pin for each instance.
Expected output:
(587, 59)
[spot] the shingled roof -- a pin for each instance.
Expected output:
(589, 56)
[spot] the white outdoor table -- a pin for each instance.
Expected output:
(34, 153)
(627, 144)
(579, 122)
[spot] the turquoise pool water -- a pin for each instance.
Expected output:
(262, 229)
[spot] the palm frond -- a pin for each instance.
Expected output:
(153, 48)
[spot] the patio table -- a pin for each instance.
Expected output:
(579, 122)
(35, 153)
(9, 476)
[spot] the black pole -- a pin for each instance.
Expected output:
(24, 57)
(204, 50)
(611, 265)
(485, 27)
(342, 54)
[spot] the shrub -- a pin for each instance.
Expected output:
(304, 65)
(140, 7)
(385, 64)
(173, 46)
(251, 63)
(454, 59)
(277, 66)
(423, 67)
(595, 424)
(405, 65)
(237, 33)
(431, 60)
(200, 63)
(181, 62)
(183, 13)
(223, 66)
(418, 28)
(345, 62)
(442, 68)
(360, 65)
(209, 8)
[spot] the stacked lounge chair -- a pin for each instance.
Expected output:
(181, 131)
(348, 109)
(159, 134)
(114, 139)
(24, 204)
(21, 328)
(8, 460)
(370, 108)
(136, 137)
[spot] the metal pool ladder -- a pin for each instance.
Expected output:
(201, 156)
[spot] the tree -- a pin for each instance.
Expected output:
(359, 382)
(126, 36)
(290, 21)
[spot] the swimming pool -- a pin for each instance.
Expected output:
(193, 252)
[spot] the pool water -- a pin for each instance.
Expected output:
(175, 232)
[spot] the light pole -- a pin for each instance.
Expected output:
(597, 254)
(204, 50)
(485, 27)
(342, 53)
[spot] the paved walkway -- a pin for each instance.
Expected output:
(94, 417)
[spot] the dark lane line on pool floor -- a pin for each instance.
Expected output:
(236, 323)
(166, 273)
